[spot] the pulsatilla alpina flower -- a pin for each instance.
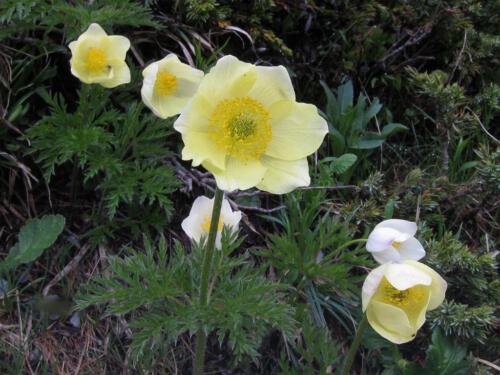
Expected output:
(100, 58)
(197, 224)
(245, 127)
(168, 85)
(396, 297)
(393, 241)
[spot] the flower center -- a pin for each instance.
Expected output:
(408, 299)
(206, 224)
(241, 127)
(396, 244)
(96, 60)
(165, 83)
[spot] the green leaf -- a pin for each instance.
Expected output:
(392, 128)
(343, 163)
(367, 143)
(35, 236)
(345, 94)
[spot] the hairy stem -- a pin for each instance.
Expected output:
(201, 335)
(354, 346)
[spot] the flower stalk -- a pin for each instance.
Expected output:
(201, 335)
(354, 346)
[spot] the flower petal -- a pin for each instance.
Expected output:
(411, 249)
(272, 84)
(390, 322)
(438, 285)
(238, 174)
(298, 130)
(381, 238)
(404, 226)
(283, 176)
(386, 256)
(371, 284)
(229, 78)
(121, 75)
(117, 46)
(403, 276)
(94, 30)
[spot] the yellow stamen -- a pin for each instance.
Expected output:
(96, 60)
(396, 244)
(165, 83)
(409, 299)
(241, 127)
(206, 224)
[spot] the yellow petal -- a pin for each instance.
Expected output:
(371, 284)
(118, 46)
(283, 176)
(229, 78)
(201, 148)
(438, 285)
(390, 322)
(121, 75)
(272, 85)
(298, 130)
(238, 174)
(94, 30)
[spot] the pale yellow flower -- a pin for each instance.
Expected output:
(396, 297)
(100, 58)
(197, 224)
(168, 85)
(245, 126)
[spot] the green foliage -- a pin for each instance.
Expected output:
(471, 324)
(35, 237)
(443, 358)
(121, 153)
(311, 256)
(348, 123)
(464, 270)
(30, 15)
(161, 292)
(314, 352)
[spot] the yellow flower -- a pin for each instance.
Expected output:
(100, 58)
(245, 127)
(168, 85)
(396, 297)
(197, 224)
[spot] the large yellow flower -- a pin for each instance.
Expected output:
(396, 297)
(245, 127)
(168, 85)
(100, 58)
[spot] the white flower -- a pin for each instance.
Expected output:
(393, 241)
(396, 297)
(197, 224)
(168, 85)
(97, 57)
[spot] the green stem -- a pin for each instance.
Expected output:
(343, 246)
(354, 346)
(201, 335)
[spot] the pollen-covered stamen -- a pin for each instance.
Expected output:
(241, 127)
(396, 244)
(165, 83)
(408, 299)
(96, 61)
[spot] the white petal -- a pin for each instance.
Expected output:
(283, 176)
(94, 30)
(409, 228)
(371, 284)
(403, 276)
(386, 256)
(411, 249)
(381, 238)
